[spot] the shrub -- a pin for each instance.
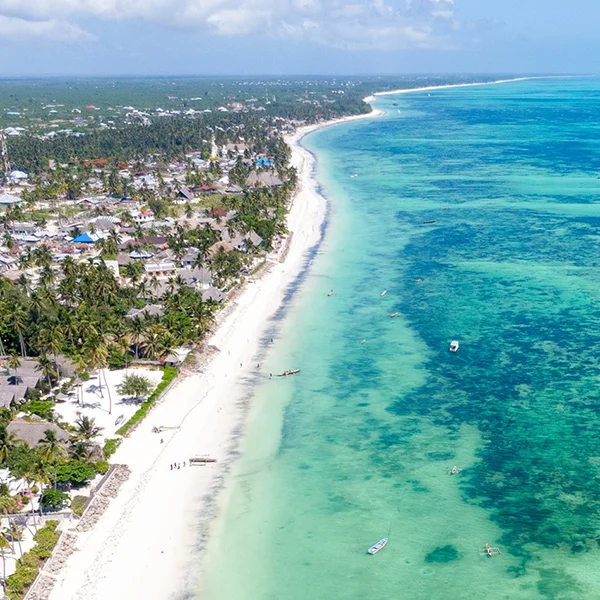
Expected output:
(34, 394)
(169, 374)
(110, 447)
(101, 466)
(117, 360)
(137, 386)
(75, 472)
(53, 498)
(38, 407)
(25, 500)
(29, 564)
(77, 504)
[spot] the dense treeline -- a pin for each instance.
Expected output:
(170, 138)
(83, 317)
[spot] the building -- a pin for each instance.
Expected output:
(150, 310)
(17, 176)
(264, 179)
(34, 431)
(185, 194)
(145, 216)
(86, 238)
(162, 270)
(8, 200)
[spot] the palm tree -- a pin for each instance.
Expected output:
(4, 545)
(14, 533)
(137, 328)
(45, 366)
(52, 450)
(40, 473)
(155, 340)
(18, 320)
(7, 443)
(87, 429)
(55, 339)
(14, 362)
(96, 351)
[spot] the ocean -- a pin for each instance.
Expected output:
(478, 210)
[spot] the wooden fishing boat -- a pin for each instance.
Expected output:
(375, 548)
(289, 372)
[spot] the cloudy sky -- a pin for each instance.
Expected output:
(112, 37)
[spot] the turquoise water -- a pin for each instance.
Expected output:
(359, 444)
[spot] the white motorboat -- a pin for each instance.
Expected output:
(454, 345)
(375, 548)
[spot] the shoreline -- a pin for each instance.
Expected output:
(461, 85)
(159, 514)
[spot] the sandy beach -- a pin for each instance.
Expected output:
(143, 543)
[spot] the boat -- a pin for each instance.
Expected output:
(330, 293)
(375, 548)
(394, 315)
(489, 551)
(454, 345)
(384, 292)
(289, 372)
(428, 222)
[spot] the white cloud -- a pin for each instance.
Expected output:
(23, 29)
(343, 23)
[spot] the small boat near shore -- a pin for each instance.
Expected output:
(289, 372)
(375, 548)
(454, 345)
(383, 293)
(394, 315)
(330, 293)
(429, 222)
(489, 551)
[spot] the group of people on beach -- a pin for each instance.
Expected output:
(174, 466)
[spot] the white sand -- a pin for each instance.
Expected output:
(460, 85)
(141, 546)
(96, 405)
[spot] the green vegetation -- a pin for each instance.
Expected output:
(168, 376)
(110, 447)
(77, 504)
(53, 498)
(101, 467)
(75, 472)
(136, 386)
(31, 562)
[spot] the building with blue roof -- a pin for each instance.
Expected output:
(86, 238)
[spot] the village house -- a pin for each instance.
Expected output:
(145, 216)
(150, 310)
(199, 278)
(8, 200)
(160, 270)
(185, 193)
(259, 179)
(34, 431)
(212, 293)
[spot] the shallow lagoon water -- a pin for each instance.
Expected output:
(358, 445)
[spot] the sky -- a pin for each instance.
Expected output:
(297, 37)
